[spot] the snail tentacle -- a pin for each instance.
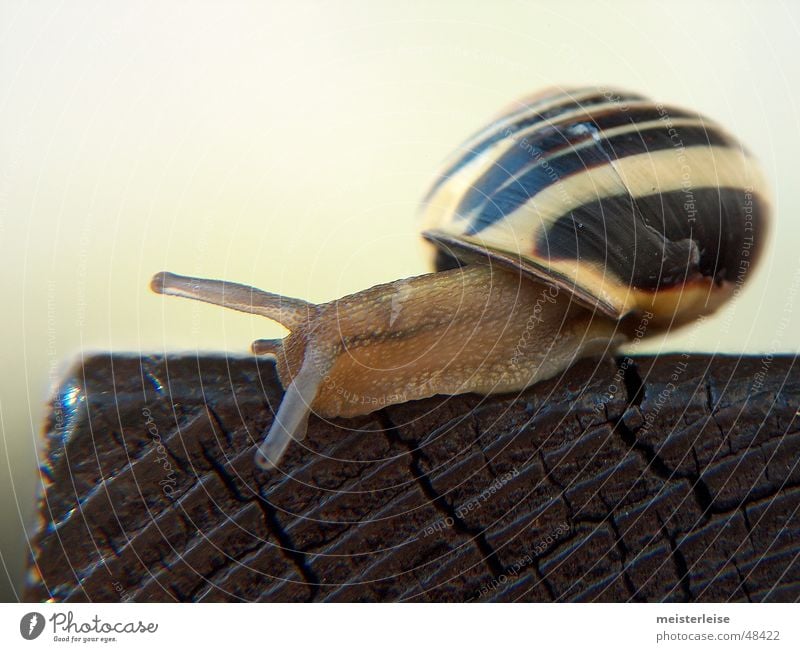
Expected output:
(287, 311)
(291, 419)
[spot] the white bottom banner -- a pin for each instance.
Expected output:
(398, 626)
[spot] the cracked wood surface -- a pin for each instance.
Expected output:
(633, 479)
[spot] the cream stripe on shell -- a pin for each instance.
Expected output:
(640, 175)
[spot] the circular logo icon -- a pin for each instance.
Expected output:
(31, 625)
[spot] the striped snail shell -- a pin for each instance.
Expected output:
(629, 204)
(553, 228)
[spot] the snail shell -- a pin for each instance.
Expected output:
(629, 204)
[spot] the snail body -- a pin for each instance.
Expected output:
(552, 229)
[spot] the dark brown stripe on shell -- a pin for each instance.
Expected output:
(502, 128)
(663, 239)
(531, 167)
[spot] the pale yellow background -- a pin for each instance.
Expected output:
(286, 145)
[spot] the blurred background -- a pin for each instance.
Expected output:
(286, 145)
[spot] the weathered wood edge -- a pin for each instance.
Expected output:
(632, 479)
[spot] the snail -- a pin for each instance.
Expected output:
(553, 230)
